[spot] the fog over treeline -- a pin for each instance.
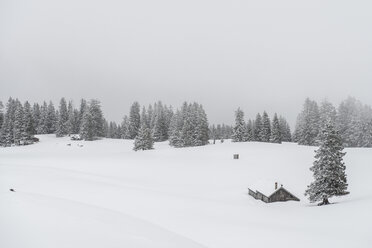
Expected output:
(185, 126)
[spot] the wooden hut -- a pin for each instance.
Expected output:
(280, 194)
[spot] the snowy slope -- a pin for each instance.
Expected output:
(106, 195)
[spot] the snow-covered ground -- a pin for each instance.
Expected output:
(103, 194)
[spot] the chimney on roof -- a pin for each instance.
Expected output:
(276, 185)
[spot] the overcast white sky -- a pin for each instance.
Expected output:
(259, 55)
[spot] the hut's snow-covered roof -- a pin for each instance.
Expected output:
(265, 186)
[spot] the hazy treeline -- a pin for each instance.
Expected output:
(186, 126)
(352, 120)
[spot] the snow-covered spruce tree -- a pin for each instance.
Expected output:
(36, 115)
(328, 168)
(18, 124)
(266, 128)
(240, 133)
(51, 120)
(83, 106)
(134, 120)
(7, 137)
(168, 114)
(97, 116)
(28, 129)
(143, 140)
(159, 130)
(257, 127)
(42, 125)
(276, 135)
(250, 132)
(188, 127)
(202, 130)
(62, 120)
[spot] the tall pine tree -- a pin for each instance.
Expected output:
(328, 168)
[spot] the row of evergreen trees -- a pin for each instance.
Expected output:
(185, 127)
(21, 122)
(261, 129)
(352, 119)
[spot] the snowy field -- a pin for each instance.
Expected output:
(103, 194)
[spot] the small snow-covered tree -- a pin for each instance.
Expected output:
(328, 168)
(276, 135)
(143, 140)
(240, 129)
(257, 127)
(266, 128)
(134, 120)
